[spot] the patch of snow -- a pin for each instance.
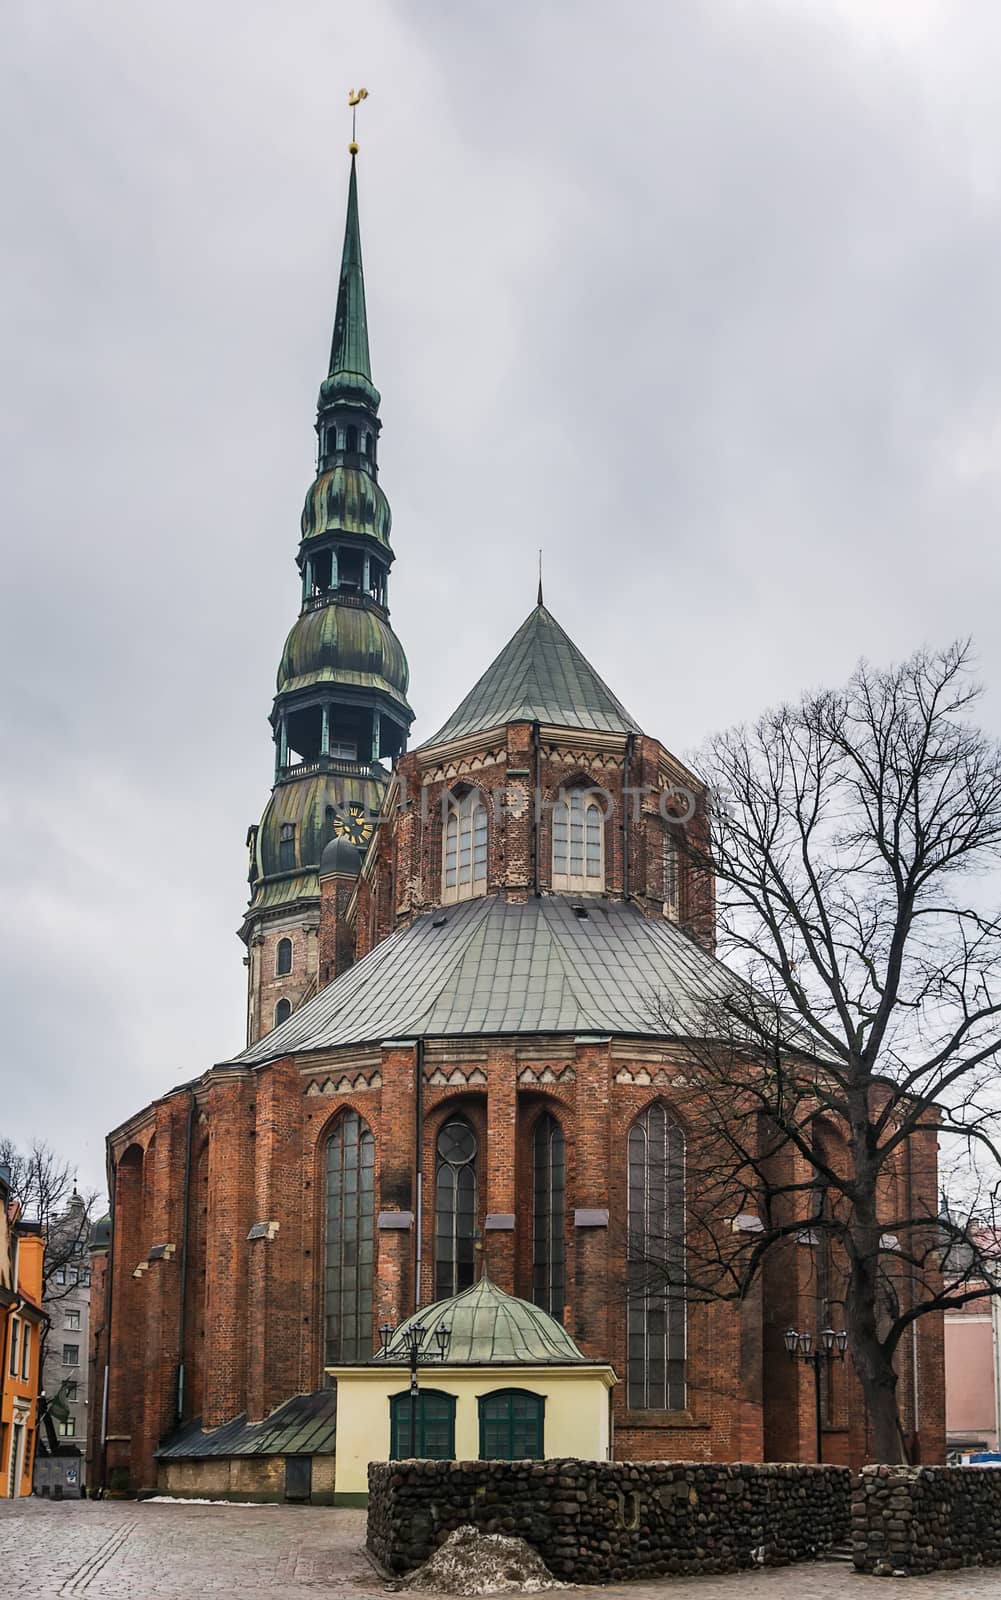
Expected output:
(474, 1563)
(193, 1500)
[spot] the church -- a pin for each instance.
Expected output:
(457, 1069)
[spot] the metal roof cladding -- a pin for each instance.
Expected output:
(491, 967)
(489, 1328)
(539, 676)
(303, 1426)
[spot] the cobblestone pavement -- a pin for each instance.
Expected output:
(121, 1550)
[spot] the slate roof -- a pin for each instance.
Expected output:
(304, 1426)
(489, 1328)
(491, 967)
(539, 676)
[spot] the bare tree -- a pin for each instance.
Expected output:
(45, 1186)
(854, 835)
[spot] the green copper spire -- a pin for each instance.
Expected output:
(350, 371)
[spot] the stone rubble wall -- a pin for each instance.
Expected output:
(925, 1519)
(602, 1522)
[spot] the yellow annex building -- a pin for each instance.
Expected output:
(511, 1384)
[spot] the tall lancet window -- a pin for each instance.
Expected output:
(672, 876)
(578, 843)
(464, 848)
(549, 1217)
(656, 1316)
(455, 1208)
(347, 1297)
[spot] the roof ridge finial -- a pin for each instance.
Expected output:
(539, 602)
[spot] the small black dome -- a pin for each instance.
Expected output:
(100, 1234)
(340, 859)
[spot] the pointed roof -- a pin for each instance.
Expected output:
(349, 347)
(539, 676)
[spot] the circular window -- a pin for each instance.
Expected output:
(457, 1143)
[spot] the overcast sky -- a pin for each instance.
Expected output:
(705, 298)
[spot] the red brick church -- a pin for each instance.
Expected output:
(453, 1058)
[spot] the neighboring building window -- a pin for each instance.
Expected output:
(72, 1276)
(578, 843)
(283, 958)
(67, 1429)
(350, 1218)
(464, 852)
(72, 1320)
(15, 1334)
(549, 1217)
(455, 1208)
(286, 847)
(60, 1276)
(71, 1355)
(435, 1427)
(70, 1390)
(655, 1314)
(25, 1350)
(85, 1277)
(512, 1426)
(283, 1010)
(672, 876)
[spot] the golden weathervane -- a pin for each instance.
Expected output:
(355, 98)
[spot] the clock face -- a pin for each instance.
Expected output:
(352, 822)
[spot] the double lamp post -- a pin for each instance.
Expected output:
(831, 1346)
(414, 1336)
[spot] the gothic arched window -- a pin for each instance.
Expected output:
(351, 438)
(549, 1217)
(283, 1010)
(283, 958)
(578, 843)
(348, 1240)
(455, 1208)
(464, 848)
(656, 1316)
(286, 847)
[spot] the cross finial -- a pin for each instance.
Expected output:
(355, 98)
(540, 577)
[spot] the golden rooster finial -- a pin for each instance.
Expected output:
(355, 98)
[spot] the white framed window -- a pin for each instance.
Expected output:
(578, 843)
(672, 876)
(72, 1320)
(67, 1429)
(464, 848)
(71, 1355)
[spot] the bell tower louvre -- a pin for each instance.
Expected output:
(340, 712)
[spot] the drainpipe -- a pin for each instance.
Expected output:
(183, 1297)
(419, 1173)
(109, 1302)
(536, 810)
(626, 797)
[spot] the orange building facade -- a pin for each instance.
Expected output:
(22, 1322)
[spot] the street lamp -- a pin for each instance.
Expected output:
(830, 1345)
(414, 1336)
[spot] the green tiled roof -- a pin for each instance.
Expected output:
(539, 676)
(491, 1328)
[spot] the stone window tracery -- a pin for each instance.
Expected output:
(455, 1208)
(549, 1216)
(349, 1241)
(464, 848)
(578, 844)
(656, 1312)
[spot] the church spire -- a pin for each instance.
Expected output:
(349, 346)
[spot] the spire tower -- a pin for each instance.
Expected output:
(340, 714)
